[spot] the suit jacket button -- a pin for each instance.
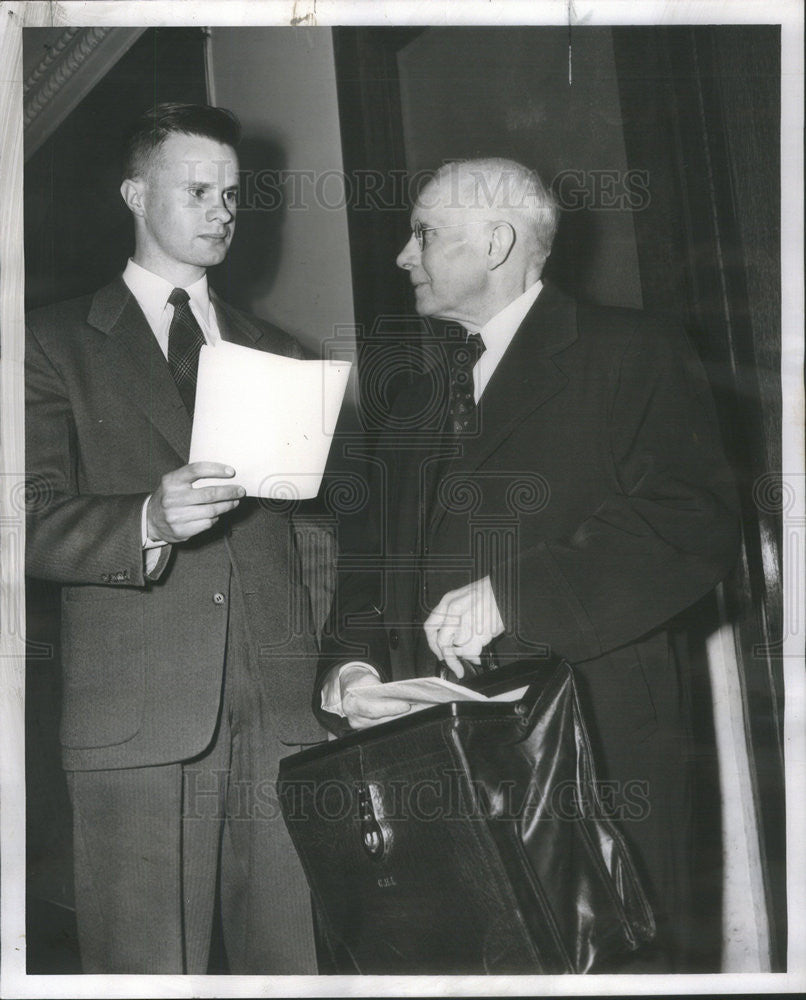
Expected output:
(218, 598)
(394, 638)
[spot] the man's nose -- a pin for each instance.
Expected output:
(220, 212)
(408, 256)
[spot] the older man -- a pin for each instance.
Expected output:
(571, 495)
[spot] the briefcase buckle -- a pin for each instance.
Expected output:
(372, 837)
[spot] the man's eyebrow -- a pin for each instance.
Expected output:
(207, 185)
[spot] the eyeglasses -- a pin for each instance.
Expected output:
(419, 230)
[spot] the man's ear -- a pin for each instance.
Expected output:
(502, 240)
(132, 190)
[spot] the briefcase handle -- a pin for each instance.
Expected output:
(487, 662)
(533, 674)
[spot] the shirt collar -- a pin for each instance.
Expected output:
(499, 331)
(152, 291)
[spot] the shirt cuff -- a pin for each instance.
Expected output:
(148, 543)
(331, 689)
(151, 549)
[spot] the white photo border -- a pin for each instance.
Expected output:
(13, 16)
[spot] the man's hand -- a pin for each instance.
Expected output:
(177, 511)
(362, 712)
(463, 623)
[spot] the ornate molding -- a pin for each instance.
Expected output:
(71, 67)
(62, 61)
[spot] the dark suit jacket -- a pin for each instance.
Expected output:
(143, 658)
(594, 493)
(596, 496)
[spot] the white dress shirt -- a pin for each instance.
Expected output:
(151, 292)
(497, 334)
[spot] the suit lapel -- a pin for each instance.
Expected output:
(233, 326)
(138, 366)
(525, 378)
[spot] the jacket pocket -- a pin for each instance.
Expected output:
(103, 651)
(90, 593)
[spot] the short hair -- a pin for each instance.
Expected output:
(508, 186)
(154, 126)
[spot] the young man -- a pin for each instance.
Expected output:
(185, 678)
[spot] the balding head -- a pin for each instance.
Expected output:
(481, 233)
(498, 188)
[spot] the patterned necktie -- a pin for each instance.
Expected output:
(462, 402)
(185, 340)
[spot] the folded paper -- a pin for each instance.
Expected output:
(423, 692)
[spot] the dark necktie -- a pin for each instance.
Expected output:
(185, 340)
(462, 402)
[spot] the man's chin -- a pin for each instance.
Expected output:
(215, 256)
(422, 305)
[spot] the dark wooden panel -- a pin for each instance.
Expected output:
(701, 115)
(372, 145)
(378, 211)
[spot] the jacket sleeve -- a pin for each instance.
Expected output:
(355, 627)
(71, 537)
(665, 535)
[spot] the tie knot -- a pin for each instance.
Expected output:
(468, 353)
(178, 297)
(476, 346)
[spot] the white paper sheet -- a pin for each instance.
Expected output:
(422, 692)
(271, 418)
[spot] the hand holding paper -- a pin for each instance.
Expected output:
(176, 511)
(269, 417)
(363, 712)
(373, 702)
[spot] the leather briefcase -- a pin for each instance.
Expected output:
(467, 838)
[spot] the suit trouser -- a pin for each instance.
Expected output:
(643, 765)
(150, 842)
